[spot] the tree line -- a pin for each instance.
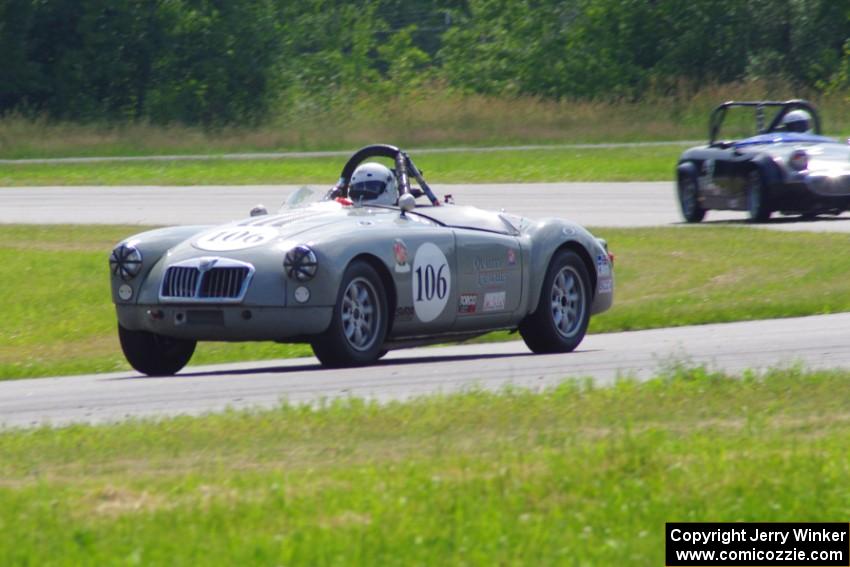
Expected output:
(236, 61)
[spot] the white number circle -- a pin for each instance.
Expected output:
(235, 238)
(432, 282)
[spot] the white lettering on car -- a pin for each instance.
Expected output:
(235, 238)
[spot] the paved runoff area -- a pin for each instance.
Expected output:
(633, 204)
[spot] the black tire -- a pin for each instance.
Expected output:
(689, 198)
(155, 355)
(559, 322)
(758, 202)
(359, 323)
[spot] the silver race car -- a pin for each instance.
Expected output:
(356, 271)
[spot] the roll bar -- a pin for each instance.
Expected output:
(403, 164)
(719, 113)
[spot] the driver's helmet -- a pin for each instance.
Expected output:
(797, 121)
(373, 183)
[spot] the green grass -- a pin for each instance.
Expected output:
(424, 117)
(598, 164)
(57, 317)
(575, 475)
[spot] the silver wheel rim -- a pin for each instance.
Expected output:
(360, 314)
(567, 302)
(689, 196)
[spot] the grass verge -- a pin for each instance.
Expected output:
(573, 475)
(58, 319)
(430, 116)
(596, 164)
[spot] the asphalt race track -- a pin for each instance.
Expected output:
(592, 204)
(816, 342)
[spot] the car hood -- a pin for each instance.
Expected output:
(784, 138)
(828, 158)
(279, 232)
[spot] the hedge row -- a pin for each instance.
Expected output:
(225, 61)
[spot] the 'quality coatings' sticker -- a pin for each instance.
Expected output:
(432, 280)
(236, 238)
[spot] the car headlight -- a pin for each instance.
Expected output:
(301, 263)
(799, 160)
(125, 262)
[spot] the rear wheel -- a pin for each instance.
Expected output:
(155, 355)
(689, 198)
(757, 198)
(563, 311)
(359, 322)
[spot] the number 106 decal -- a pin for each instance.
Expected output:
(432, 282)
(236, 238)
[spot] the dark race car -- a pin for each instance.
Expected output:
(788, 166)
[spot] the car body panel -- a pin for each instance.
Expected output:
(493, 277)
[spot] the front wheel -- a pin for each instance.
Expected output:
(359, 322)
(155, 355)
(757, 198)
(689, 198)
(563, 311)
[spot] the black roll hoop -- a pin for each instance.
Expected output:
(403, 164)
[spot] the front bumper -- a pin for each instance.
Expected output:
(812, 193)
(226, 323)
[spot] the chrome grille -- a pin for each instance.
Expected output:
(206, 280)
(223, 282)
(180, 281)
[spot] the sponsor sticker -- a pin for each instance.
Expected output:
(605, 286)
(432, 281)
(603, 267)
(467, 303)
(494, 301)
(486, 262)
(511, 257)
(400, 252)
(235, 238)
(492, 278)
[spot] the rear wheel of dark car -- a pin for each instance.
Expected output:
(359, 322)
(155, 355)
(758, 200)
(563, 311)
(689, 198)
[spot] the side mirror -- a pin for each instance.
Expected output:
(259, 210)
(406, 203)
